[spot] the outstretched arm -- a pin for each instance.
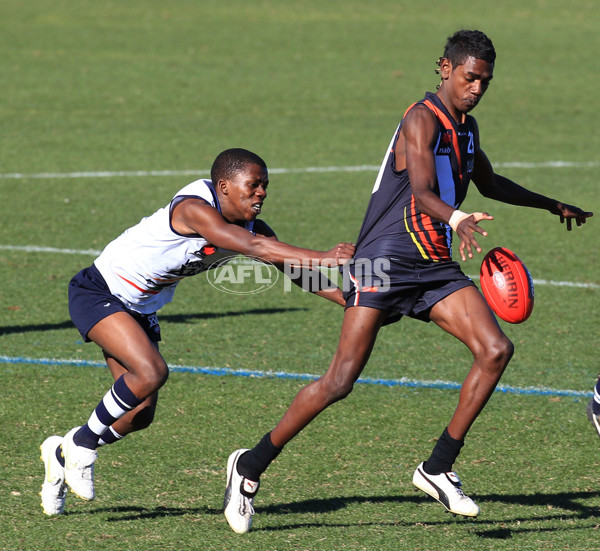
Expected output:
(308, 279)
(194, 216)
(500, 188)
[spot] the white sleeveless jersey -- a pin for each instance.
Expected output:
(145, 263)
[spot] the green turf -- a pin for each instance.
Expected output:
(139, 86)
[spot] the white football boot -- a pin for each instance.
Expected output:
(54, 489)
(446, 488)
(79, 467)
(239, 496)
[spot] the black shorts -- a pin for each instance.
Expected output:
(90, 301)
(405, 287)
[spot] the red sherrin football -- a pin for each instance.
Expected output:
(506, 285)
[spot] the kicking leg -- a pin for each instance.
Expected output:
(465, 315)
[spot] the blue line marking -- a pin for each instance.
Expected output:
(225, 371)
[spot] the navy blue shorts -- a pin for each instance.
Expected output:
(90, 301)
(405, 287)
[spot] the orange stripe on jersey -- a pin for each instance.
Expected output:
(409, 108)
(398, 131)
(430, 243)
(448, 126)
(413, 237)
(434, 239)
(427, 243)
(139, 288)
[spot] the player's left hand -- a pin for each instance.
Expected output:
(570, 213)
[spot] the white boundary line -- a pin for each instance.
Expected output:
(304, 170)
(93, 252)
(35, 249)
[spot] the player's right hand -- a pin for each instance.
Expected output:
(466, 229)
(340, 254)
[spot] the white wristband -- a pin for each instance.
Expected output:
(456, 218)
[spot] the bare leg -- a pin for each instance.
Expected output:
(465, 315)
(359, 331)
(123, 339)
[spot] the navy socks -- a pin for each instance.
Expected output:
(116, 402)
(444, 454)
(254, 462)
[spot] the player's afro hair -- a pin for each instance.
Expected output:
(464, 44)
(231, 161)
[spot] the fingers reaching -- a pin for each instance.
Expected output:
(466, 228)
(568, 213)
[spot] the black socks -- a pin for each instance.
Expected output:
(444, 454)
(254, 462)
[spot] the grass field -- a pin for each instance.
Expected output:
(96, 96)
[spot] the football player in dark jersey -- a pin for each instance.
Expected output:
(406, 269)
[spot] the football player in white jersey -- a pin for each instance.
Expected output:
(114, 302)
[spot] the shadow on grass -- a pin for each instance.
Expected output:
(129, 513)
(564, 501)
(37, 327)
(560, 506)
(169, 318)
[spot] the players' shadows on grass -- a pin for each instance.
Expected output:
(170, 318)
(561, 506)
(38, 327)
(565, 506)
(563, 501)
(334, 504)
(132, 513)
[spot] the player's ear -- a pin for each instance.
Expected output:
(223, 186)
(445, 68)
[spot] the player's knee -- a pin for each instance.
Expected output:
(160, 375)
(499, 353)
(336, 389)
(154, 375)
(505, 350)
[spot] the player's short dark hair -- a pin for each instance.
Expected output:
(231, 161)
(464, 44)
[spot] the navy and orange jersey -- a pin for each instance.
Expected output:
(393, 226)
